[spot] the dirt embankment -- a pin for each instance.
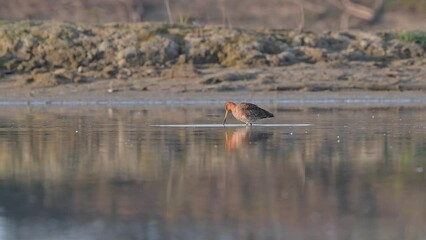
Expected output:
(181, 58)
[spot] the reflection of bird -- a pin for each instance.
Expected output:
(245, 136)
(246, 112)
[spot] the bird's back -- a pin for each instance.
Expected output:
(252, 112)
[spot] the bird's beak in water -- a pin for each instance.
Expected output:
(226, 115)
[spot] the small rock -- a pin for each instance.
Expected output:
(211, 81)
(150, 71)
(376, 49)
(229, 77)
(23, 79)
(110, 71)
(411, 50)
(181, 59)
(64, 74)
(304, 39)
(344, 77)
(159, 49)
(129, 56)
(49, 79)
(80, 79)
(282, 59)
(314, 54)
(104, 46)
(124, 74)
(181, 71)
(364, 44)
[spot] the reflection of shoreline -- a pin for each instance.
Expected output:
(243, 136)
(113, 168)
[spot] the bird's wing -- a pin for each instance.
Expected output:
(249, 106)
(253, 108)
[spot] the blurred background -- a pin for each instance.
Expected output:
(307, 14)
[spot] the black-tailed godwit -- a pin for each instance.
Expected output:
(246, 112)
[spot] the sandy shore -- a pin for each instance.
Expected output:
(350, 80)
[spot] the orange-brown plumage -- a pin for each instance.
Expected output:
(246, 112)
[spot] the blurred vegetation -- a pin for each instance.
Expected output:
(418, 37)
(271, 13)
(413, 6)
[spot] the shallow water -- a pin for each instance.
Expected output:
(107, 173)
(212, 125)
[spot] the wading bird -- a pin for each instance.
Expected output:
(246, 112)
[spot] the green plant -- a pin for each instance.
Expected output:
(184, 19)
(418, 37)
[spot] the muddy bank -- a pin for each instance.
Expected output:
(185, 58)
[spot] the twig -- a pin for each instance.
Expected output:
(225, 18)
(350, 8)
(358, 10)
(301, 23)
(344, 21)
(169, 11)
(313, 7)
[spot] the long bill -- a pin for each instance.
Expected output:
(226, 115)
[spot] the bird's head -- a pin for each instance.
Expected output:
(229, 106)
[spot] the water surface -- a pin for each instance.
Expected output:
(309, 173)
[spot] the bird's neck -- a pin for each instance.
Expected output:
(232, 106)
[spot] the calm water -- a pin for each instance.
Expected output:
(105, 173)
